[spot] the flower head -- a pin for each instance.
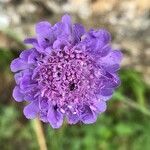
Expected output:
(68, 73)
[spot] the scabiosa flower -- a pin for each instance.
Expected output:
(68, 73)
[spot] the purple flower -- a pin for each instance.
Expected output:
(68, 73)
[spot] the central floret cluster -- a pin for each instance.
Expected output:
(67, 78)
(68, 73)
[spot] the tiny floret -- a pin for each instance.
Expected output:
(67, 74)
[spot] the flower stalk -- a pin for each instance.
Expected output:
(38, 129)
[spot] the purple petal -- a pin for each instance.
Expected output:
(38, 48)
(27, 85)
(44, 34)
(29, 97)
(18, 77)
(97, 42)
(72, 118)
(66, 20)
(78, 31)
(30, 40)
(112, 68)
(42, 26)
(48, 50)
(43, 116)
(29, 56)
(105, 94)
(31, 110)
(43, 106)
(88, 116)
(111, 61)
(61, 42)
(105, 50)
(103, 35)
(101, 105)
(43, 103)
(17, 95)
(104, 98)
(25, 54)
(109, 80)
(33, 57)
(58, 28)
(18, 64)
(55, 117)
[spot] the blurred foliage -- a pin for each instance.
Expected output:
(124, 126)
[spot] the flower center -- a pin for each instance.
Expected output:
(64, 76)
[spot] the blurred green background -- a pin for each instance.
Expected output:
(126, 123)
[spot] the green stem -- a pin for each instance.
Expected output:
(40, 134)
(131, 103)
